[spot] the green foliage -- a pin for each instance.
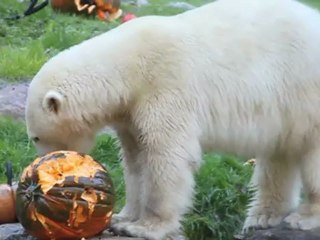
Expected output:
(14, 146)
(21, 62)
(313, 3)
(107, 152)
(220, 199)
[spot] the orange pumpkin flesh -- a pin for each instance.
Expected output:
(65, 6)
(65, 195)
(102, 7)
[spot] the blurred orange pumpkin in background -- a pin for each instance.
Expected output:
(7, 203)
(8, 197)
(104, 9)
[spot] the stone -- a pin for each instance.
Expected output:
(138, 3)
(12, 99)
(280, 232)
(181, 5)
(15, 231)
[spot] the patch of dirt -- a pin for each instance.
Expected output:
(12, 99)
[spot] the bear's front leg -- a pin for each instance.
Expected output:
(169, 150)
(167, 191)
(132, 175)
(276, 182)
(307, 216)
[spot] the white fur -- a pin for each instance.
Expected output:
(239, 76)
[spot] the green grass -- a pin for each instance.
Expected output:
(220, 196)
(14, 146)
(220, 200)
(27, 43)
(313, 3)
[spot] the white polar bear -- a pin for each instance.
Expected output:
(239, 76)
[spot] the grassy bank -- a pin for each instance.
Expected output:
(27, 43)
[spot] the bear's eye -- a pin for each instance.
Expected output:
(35, 139)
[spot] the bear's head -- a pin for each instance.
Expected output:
(56, 116)
(50, 129)
(86, 87)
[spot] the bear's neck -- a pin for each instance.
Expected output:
(106, 100)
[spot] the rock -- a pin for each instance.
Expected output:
(182, 5)
(280, 233)
(138, 3)
(12, 100)
(14, 231)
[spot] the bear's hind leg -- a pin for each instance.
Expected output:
(307, 216)
(276, 183)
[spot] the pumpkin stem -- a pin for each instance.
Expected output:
(9, 172)
(32, 192)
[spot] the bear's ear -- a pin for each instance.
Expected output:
(53, 101)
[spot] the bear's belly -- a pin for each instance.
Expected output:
(247, 139)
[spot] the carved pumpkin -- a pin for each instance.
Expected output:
(65, 6)
(65, 195)
(104, 9)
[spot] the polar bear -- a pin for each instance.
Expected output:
(237, 76)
